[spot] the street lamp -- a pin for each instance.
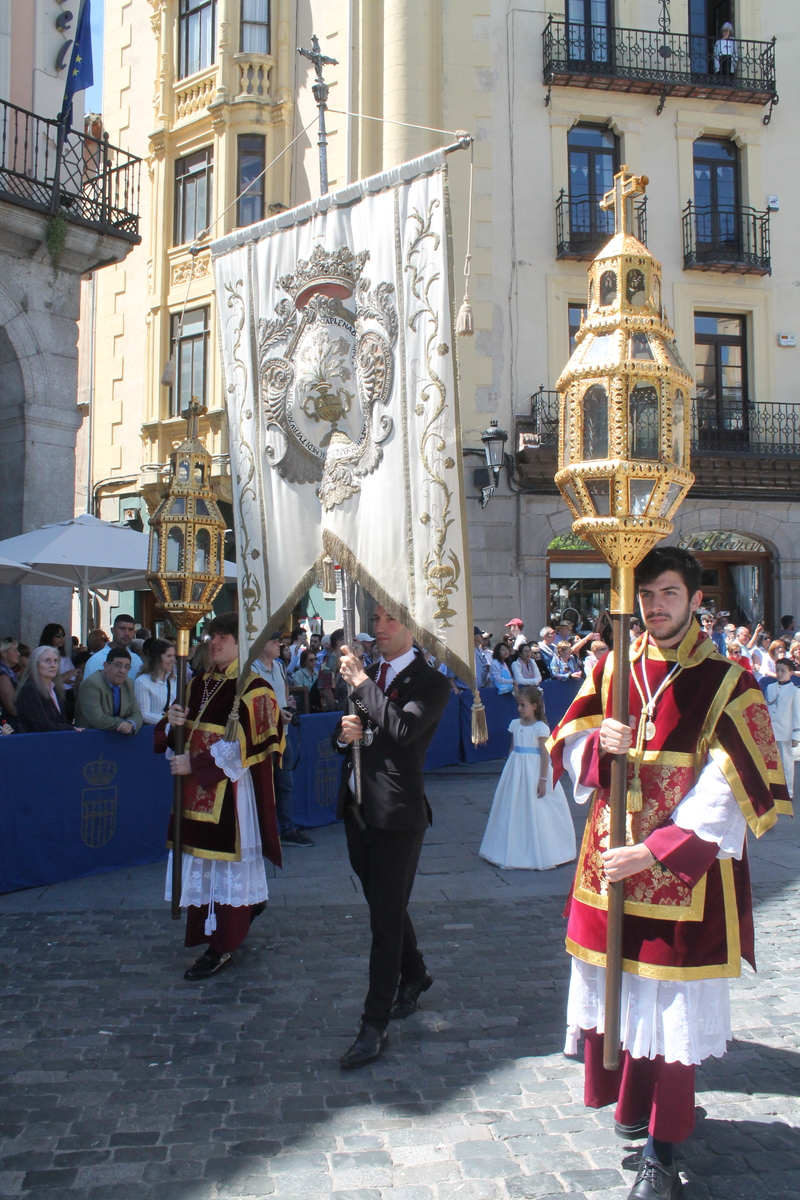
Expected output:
(494, 447)
(187, 537)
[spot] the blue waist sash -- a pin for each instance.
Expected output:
(527, 750)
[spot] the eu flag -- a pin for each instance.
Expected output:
(80, 74)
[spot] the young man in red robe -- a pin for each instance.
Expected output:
(229, 822)
(702, 766)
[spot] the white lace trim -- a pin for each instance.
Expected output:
(215, 881)
(686, 1021)
(228, 757)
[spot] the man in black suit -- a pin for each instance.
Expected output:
(401, 700)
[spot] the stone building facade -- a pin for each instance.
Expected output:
(40, 291)
(555, 105)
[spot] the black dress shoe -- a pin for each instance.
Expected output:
(369, 1045)
(408, 995)
(632, 1133)
(656, 1182)
(208, 964)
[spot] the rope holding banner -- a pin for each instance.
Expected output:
(465, 325)
(480, 730)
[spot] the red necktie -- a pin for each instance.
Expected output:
(381, 680)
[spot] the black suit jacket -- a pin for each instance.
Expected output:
(403, 723)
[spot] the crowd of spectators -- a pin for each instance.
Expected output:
(122, 681)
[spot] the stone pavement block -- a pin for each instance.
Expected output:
(591, 1181)
(530, 1187)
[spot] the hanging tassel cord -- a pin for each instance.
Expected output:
(480, 730)
(465, 325)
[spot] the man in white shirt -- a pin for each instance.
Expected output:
(547, 639)
(123, 631)
(297, 644)
(269, 666)
(516, 626)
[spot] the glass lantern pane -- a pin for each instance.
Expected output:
(643, 435)
(640, 347)
(673, 494)
(174, 549)
(602, 349)
(154, 549)
(600, 492)
(202, 551)
(175, 590)
(635, 292)
(567, 431)
(201, 508)
(178, 507)
(199, 473)
(595, 423)
(608, 287)
(678, 426)
(571, 496)
(197, 591)
(640, 491)
(183, 471)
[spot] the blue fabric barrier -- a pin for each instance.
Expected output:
(80, 804)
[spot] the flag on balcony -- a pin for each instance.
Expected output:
(336, 330)
(80, 74)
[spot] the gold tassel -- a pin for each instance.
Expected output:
(480, 730)
(635, 795)
(232, 728)
(464, 324)
(327, 575)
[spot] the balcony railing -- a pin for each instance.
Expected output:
(727, 238)
(583, 228)
(99, 184)
(669, 64)
(770, 430)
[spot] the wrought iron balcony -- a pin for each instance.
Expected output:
(656, 63)
(99, 184)
(583, 228)
(726, 238)
(750, 450)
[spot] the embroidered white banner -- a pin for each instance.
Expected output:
(336, 334)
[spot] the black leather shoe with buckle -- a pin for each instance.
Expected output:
(369, 1045)
(632, 1133)
(656, 1182)
(208, 964)
(408, 995)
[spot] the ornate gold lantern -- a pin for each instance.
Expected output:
(187, 534)
(623, 453)
(623, 469)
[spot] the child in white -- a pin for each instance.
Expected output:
(783, 702)
(530, 825)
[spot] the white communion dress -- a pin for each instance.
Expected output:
(525, 831)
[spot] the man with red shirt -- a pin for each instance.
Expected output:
(702, 766)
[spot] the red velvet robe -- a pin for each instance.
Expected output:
(210, 825)
(689, 916)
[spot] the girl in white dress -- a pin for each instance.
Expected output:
(530, 825)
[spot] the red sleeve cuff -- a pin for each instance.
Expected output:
(682, 852)
(595, 769)
(206, 771)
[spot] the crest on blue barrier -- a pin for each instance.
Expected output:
(98, 804)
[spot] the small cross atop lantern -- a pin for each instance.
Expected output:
(624, 430)
(623, 460)
(187, 534)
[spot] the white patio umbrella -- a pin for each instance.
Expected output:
(11, 571)
(84, 553)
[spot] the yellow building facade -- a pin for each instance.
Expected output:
(211, 91)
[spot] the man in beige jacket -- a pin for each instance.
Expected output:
(107, 700)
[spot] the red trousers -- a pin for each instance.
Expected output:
(232, 926)
(642, 1088)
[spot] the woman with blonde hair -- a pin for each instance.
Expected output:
(41, 704)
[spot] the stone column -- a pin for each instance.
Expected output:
(412, 61)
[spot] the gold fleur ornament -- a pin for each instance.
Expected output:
(623, 454)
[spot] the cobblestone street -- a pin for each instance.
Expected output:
(121, 1081)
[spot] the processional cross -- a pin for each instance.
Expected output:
(620, 198)
(191, 413)
(320, 90)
